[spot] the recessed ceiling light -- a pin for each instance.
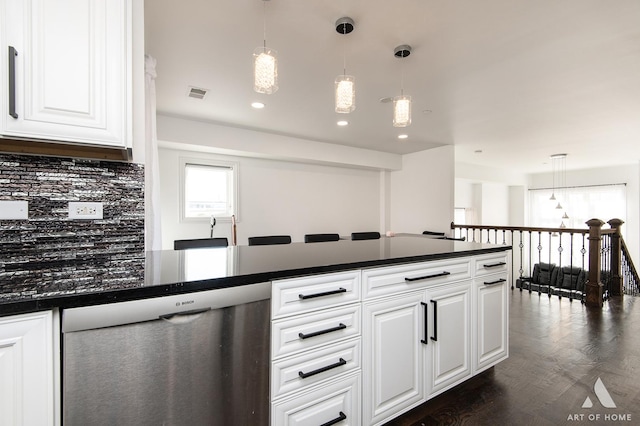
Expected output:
(257, 105)
(403, 136)
(477, 151)
(343, 123)
(426, 111)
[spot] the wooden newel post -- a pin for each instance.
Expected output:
(616, 258)
(593, 286)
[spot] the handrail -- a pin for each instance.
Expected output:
(521, 228)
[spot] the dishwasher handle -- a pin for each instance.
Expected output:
(183, 316)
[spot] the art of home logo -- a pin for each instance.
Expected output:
(604, 398)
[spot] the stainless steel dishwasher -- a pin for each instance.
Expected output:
(191, 359)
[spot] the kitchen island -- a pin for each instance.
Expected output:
(356, 331)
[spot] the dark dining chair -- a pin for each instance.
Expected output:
(319, 238)
(200, 243)
(268, 240)
(434, 233)
(365, 235)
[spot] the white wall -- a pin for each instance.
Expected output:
(495, 204)
(422, 192)
(279, 197)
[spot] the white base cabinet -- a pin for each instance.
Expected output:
(66, 71)
(393, 356)
(28, 379)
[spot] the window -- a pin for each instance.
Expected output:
(580, 203)
(208, 189)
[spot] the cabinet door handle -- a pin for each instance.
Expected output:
(342, 416)
(501, 280)
(340, 326)
(326, 293)
(426, 323)
(493, 265)
(426, 277)
(435, 321)
(322, 370)
(12, 81)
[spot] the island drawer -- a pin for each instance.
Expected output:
(393, 279)
(306, 294)
(334, 403)
(301, 371)
(491, 264)
(298, 333)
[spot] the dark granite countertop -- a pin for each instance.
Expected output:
(173, 272)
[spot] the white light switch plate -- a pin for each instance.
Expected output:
(14, 210)
(84, 211)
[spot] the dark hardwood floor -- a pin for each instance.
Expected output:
(558, 350)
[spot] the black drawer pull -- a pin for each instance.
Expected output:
(342, 416)
(326, 293)
(435, 321)
(322, 370)
(12, 81)
(493, 265)
(501, 280)
(426, 323)
(340, 326)
(426, 277)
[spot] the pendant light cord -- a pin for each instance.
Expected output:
(264, 24)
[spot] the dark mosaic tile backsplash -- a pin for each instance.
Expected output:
(49, 254)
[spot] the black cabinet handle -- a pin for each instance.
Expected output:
(501, 280)
(340, 326)
(326, 293)
(493, 265)
(342, 416)
(322, 370)
(426, 323)
(435, 321)
(426, 277)
(12, 81)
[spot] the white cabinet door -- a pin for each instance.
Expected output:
(393, 356)
(492, 330)
(26, 370)
(71, 68)
(449, 342)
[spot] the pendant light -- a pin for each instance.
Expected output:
(265, 64)
(402, 103)
(345, 85)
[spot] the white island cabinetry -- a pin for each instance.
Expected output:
(66, 71)
(406, 332)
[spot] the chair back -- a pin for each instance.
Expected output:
(200, 243)
(268, 240)
(365, 235)
(318, 238)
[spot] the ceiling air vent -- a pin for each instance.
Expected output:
(197, 92)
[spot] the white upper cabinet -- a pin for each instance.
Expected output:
(66, 71)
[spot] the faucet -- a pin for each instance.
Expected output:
(213, 223)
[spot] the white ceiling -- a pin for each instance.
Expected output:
(517, 79)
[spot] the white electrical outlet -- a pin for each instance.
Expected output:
(85, 210)
(14, 210)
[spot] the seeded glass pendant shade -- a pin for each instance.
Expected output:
(401, 111)
(345, 85)
(402, 103)
(265, 65)
(265, 70)
(345, 94)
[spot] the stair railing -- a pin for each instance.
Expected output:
(600, 252)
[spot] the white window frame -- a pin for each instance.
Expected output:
(233, 190)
